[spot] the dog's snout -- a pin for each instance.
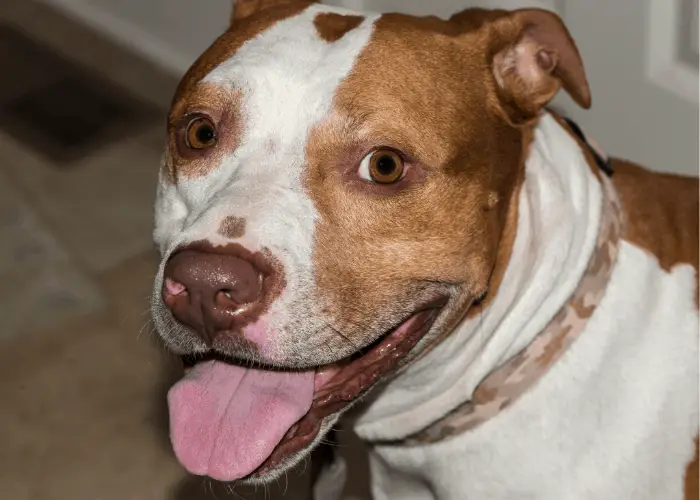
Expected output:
(209, 291)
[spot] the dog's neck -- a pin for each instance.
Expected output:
(558, 218)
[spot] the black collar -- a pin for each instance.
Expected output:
(603, 163)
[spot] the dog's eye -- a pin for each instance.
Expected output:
(382, 166)
(200, 133)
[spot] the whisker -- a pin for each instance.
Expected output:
(231, 491)
(211, 488)
(343, 336)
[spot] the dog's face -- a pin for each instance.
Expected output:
(336, 191)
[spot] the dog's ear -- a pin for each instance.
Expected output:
(532, 55)
(245, 8)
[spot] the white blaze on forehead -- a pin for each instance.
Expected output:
(287, 77)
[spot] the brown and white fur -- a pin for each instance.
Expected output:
(498, 203)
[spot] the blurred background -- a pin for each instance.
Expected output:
(84, 88)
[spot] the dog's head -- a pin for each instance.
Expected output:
(337, 189)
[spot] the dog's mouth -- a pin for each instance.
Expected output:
(230, 422)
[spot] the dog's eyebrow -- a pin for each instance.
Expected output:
(212, 98)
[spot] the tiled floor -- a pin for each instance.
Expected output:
(82, 376)
(59, 109)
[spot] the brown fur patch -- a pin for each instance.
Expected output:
(510, 229)
(232, 227)
(692, 485)
(661, 212)
(332, 27)
(373, 252)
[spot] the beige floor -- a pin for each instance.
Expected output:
(82, 375)
(83, 407)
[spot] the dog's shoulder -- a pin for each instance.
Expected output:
(661, 212)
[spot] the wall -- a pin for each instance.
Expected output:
(171, 33)
(445, 8)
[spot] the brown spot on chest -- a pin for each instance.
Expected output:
(332, 27)
(232, 227)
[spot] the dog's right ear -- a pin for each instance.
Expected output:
(246, 8)
(532, 56)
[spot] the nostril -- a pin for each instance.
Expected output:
(172, 287)
(240, 293)
(229, 300)
(173, 291)
(227, 297)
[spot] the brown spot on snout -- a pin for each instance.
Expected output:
(332, 27)
(232, 227)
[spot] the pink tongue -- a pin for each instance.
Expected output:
(225, 420)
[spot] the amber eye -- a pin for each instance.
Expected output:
(382, 166)
(200, 133)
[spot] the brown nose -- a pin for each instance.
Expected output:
(209, 291)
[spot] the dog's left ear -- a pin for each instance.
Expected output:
(533, 56)
(246, 8)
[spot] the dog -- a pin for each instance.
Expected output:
(379, 212)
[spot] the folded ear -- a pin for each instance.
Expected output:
(245, 8)
(533, 56)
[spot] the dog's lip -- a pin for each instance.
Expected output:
(353, 379)
(341, 383)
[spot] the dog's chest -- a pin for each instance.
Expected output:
(614, 418)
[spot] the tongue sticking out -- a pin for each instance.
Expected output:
(226, 420)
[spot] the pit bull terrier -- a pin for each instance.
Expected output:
(352, 202)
